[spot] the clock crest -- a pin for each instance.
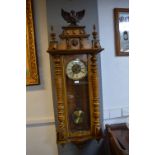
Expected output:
(72, 17)
(76, 81)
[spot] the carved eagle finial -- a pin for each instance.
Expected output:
(72, 17)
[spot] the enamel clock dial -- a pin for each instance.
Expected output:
(76, 69)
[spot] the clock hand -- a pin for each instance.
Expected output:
(82, 71)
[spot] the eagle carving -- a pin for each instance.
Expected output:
(72, 17)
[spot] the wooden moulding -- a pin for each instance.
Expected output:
(74, 36)
(79, 51)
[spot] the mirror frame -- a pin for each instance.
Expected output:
(117, 11)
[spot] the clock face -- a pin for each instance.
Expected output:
(76, 69)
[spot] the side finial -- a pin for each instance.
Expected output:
(53, 42)
(53, 35)
(52, 28)
(94, 33)
(95, 42)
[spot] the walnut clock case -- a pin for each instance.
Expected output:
(76, 81)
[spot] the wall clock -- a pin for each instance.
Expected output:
(76, 81)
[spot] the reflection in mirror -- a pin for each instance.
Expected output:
(124, 31)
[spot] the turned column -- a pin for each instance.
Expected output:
(60, 98)
(95, 96)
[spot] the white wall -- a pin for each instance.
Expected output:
(41, 135)
(115, 70)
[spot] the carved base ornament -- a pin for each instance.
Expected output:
(76, 81)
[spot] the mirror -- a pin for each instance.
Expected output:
(121, 25)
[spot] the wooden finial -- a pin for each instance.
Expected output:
(51, 28)
(53, 42)
(95, 42)
(94, 33)
(94, 27)
(53, 35)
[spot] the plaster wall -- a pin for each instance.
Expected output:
(114, 69)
